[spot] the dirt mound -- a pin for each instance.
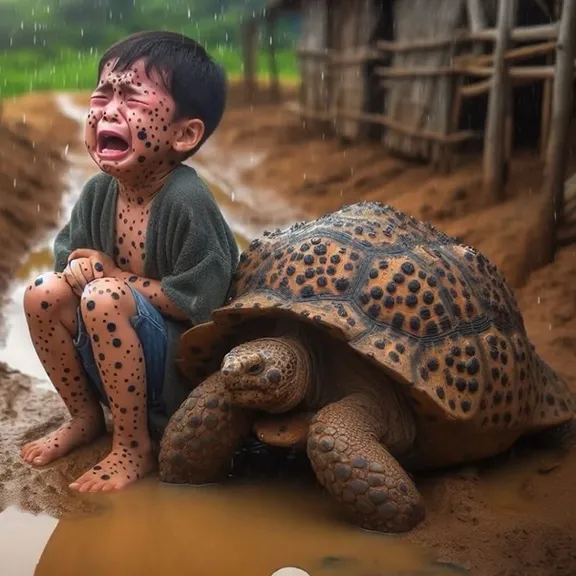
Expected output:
(30, 166)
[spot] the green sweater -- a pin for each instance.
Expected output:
(189, 248)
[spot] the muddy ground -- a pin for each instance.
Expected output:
(513, 515)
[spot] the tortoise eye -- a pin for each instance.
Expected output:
(256, 368)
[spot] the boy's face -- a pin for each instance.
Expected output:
(129, 130)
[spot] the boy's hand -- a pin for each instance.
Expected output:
(85, 265)
(79, 273)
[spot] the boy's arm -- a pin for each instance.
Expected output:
(190, 293)
(153, 290)
(77, 231)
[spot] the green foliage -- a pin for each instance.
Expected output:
(25, 71)
(55, 44)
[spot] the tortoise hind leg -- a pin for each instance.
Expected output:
(357, 470)
(202, 436)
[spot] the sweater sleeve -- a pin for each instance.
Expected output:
(200, 288)
(78, 231)
(71, 236)
(204, 255)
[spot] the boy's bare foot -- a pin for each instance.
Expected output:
(120, 468)
(79, 430)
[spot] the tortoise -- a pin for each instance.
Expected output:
(376, 342)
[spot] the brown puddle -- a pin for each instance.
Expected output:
(214, 530)
(220, 531)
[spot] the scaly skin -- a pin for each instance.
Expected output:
(357, 470)
(203, 435)
(344, 438)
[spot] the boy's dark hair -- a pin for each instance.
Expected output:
(196, 83)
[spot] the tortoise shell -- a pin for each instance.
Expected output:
(434, 314)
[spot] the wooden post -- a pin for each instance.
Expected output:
(556, 153)
(495, 124)
(274, 80)
(477, 21)
(250, 55)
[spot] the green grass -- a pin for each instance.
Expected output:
(25, 71)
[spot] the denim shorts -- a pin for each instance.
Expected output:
(150, 328)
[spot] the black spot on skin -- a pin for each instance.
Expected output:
(132, 278)
(90, 305)
(116, 296)
(105, 477)
(38, 281)
(45, 305)
(116, 342)
(433, 364)
(440, 392)
(142, 135)
(141, 159)
(341, 284)
(407, 268)
(117, 365)
(398, 320)
(273, 376)
(111, 327)
(131, 388)
(376, 292)
(98, 267)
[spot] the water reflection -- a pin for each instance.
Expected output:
(23, 540)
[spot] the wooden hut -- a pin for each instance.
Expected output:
(430, 74)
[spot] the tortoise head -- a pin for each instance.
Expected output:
(270, 374)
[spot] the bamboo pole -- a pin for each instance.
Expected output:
(476, 20)
(274, 86)
(249, 49)
(394, 125)
(495, 124)
(556, 155)
(516, 73)
(521, 34)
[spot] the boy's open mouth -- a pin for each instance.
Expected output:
(112, 144)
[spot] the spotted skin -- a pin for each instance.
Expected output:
(50, 307)
(131, 133)
(426, 362)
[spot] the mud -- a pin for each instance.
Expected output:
(512, 515)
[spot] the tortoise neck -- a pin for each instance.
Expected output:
(302, 376)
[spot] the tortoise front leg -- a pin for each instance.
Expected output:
(202, 436)
(357, 470)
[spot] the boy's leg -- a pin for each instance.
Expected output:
(51, 312)
(108, 308)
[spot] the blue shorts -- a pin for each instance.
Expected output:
(150, 328)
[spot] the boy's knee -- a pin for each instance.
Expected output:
(47, 293)
(107, 295)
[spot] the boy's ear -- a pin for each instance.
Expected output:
(188, 135)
